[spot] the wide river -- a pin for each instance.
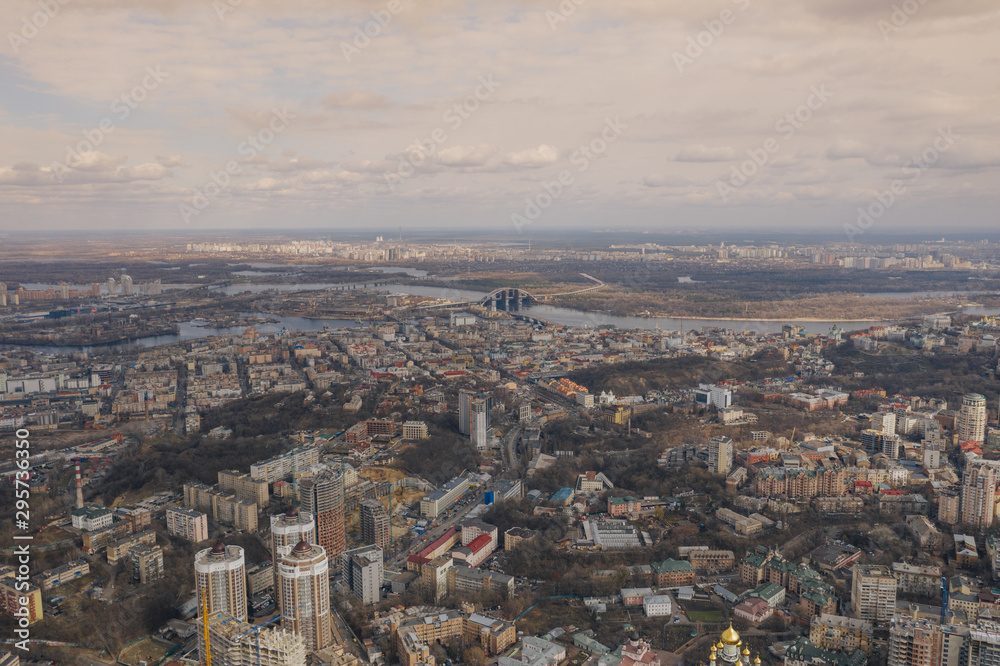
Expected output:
(558, 315)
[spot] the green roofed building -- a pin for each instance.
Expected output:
(673, 573)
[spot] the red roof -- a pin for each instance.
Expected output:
(422, 556)
(480, 542)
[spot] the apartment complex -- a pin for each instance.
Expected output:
(220, 580)
(375, 524)
(304, 593)
(187, 523)
(322, 495)
(364, 573)
(873, 592)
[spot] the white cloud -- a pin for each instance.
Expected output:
(533, 157)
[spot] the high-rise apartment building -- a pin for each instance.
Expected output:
(873, 592)
(949, 503)
(374, 524)
(971, 422)
(287, 530)
(323, 497)
(465, 397)
(479, 420)
(916, 640)
(220, 579)
(720, 455)
(304, 593)
(187, 523)
(147, 563)
(364, 573)
(291, 527)
(979, 484)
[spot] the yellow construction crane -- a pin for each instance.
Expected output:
(204, 622)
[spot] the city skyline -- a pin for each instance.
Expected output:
(306, 121)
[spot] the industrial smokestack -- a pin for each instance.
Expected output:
(79, 487)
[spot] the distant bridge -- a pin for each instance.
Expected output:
(507, 299)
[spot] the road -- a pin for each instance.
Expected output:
(400, 560)
(509, 450)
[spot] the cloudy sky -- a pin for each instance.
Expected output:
(512, 115)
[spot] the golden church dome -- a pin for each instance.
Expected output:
(730, 636)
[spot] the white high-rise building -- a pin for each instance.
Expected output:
(971, 421)
(479, 424)
(304, 593)
(886, 422)
(220, 580)
(287, 530)
(720, 455)
(364, 573)
(712, 395)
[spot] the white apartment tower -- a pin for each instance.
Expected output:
(220, 579)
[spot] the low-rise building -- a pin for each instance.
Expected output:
(754, 610)
(673, 573)
(91, 518)
(118, 550)
(657, 605)
(803, 653)
(516, 536)
(712, 561)
(62, 574)
(840, 633)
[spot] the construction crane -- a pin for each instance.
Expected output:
(258, 628)
(204, 622)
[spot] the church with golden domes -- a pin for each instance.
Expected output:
(731, 650)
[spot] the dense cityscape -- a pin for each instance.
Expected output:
(499, 333)
(256, 465)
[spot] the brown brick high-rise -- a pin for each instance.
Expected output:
(323, 496)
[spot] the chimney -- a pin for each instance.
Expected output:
(79, 487)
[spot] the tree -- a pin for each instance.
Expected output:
(474, 656)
